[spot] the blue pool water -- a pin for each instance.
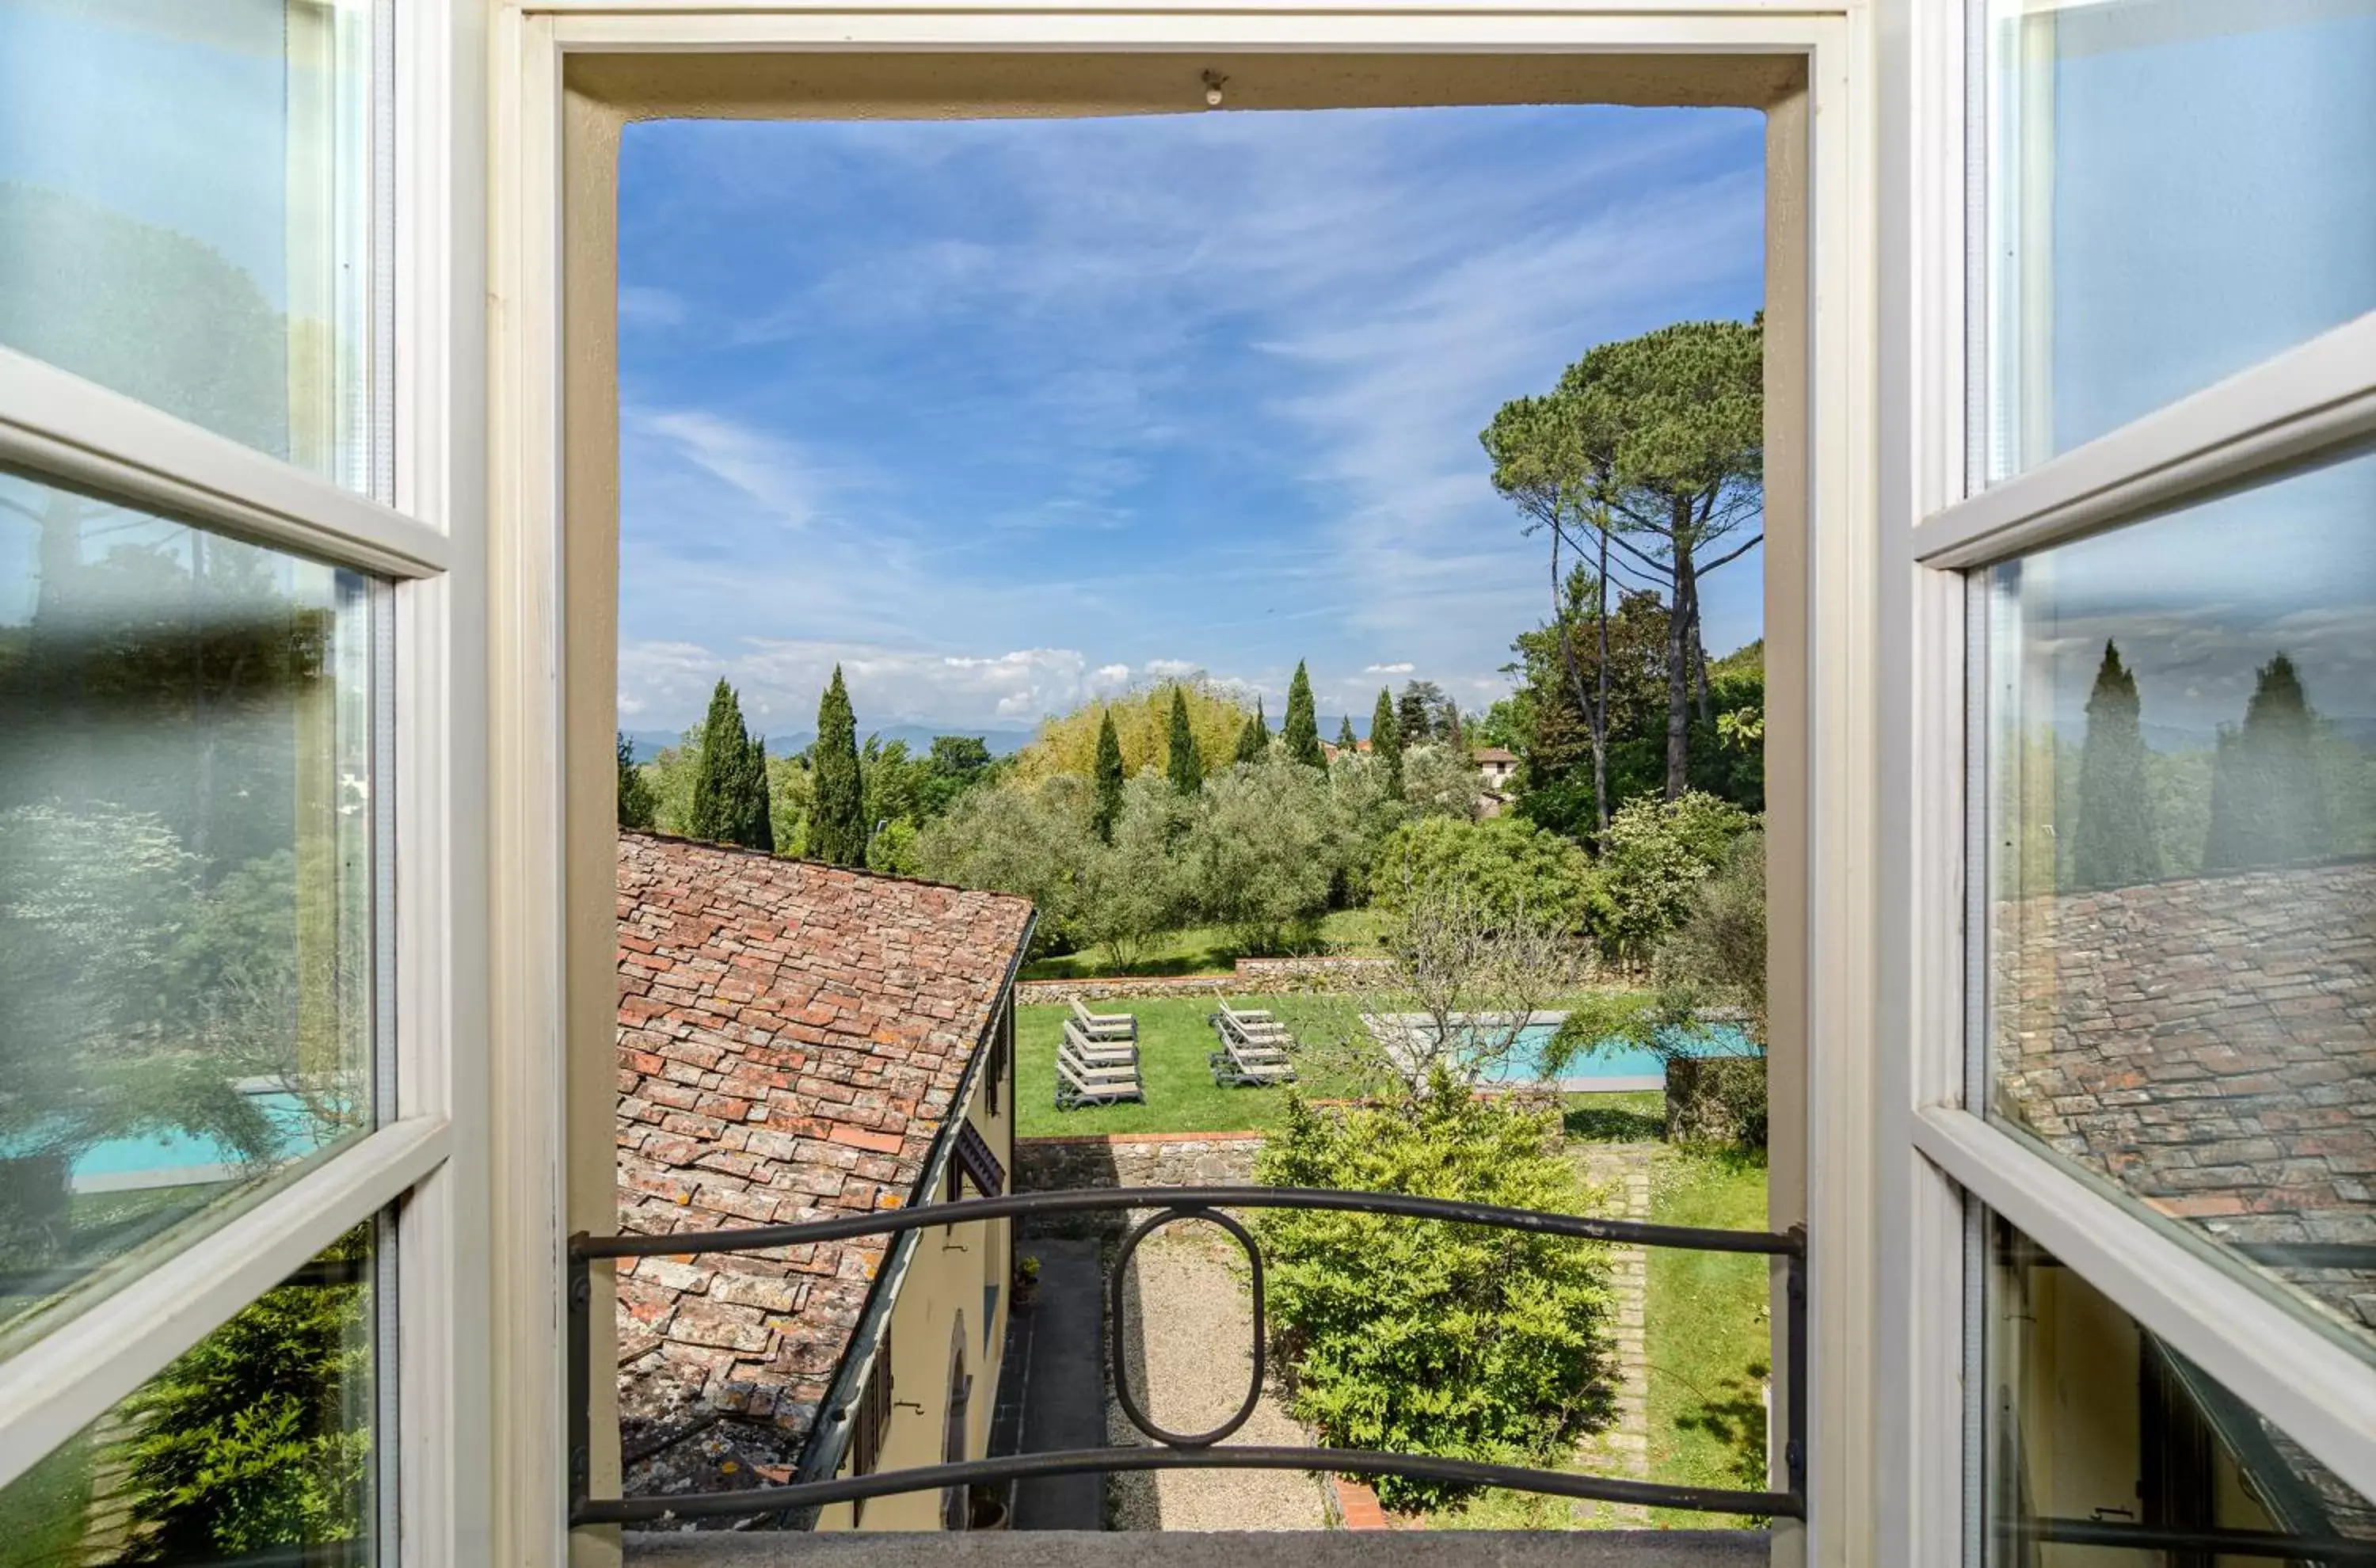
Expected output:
(179, 1155)
(1615, 1058)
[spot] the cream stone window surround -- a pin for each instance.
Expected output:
(568, 75)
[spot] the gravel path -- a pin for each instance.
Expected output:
(1189, 1369)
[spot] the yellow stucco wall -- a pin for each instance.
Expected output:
(956, 1284)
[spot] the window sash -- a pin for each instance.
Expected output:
(2307, 405)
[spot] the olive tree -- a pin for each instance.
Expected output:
(1261, 852)
(1134, 887)
(1441, 780)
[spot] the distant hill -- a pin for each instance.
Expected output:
(649, 743)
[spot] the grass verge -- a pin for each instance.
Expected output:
(1208, 950)
(1708, 1333)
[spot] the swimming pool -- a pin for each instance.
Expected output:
(177, 1157)
(1614, 1063)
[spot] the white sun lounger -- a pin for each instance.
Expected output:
(1104, 1025)
(1253, 1050)
(1078, 1084)
(1092, 1051)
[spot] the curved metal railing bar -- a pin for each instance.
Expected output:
(891, 1221)
(1074, 1461)
(1178, 1450)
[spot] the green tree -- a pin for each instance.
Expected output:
(637, 806)
(1108, 779)
(1386, 737)
(1416, 712)
(2113, 842)
(1653, 858)
(1254, 740)
(1134, 887)
(1649, 459)
(1506, 865)
(1301, 730)
(730, 791)
(1263, 853)
(1423, 1337)
(838, 822)
(1346, 739)
(1186, 768)
(1019, 835)
(2268, 801)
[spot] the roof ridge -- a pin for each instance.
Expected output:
(772, 858)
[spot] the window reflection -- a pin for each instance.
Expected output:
(185, 212)
(2183, 872)
(185, 871)
(257, 1446)
(2177, 189)
(2107, 1448)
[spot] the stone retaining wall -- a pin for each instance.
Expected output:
(1252, 977)
(1145, 1160)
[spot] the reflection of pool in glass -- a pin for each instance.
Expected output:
(1630, 1065)
(177, 1157)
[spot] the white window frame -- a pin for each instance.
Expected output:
(427, 1160)
(527, 658)
(2310, 401)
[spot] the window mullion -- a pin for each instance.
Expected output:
(81, 1370)
(2319, 1392)
(2307, 400)
(58, 426)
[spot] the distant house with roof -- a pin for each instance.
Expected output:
(798, 1041)
(1500, 766)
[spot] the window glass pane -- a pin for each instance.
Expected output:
(185, 876)
(2184, 780)
(260, 1438)
(185, 210)
(2177, 189)
(2107, 1449)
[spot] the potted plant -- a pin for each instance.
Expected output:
(1026, 1279)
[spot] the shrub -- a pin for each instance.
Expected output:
(1421, 1337)
(249, 1440)
(1653, 858)
(1504, 865)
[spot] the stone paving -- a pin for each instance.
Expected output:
(1623, 1449)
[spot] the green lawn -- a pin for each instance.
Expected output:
(1708, 1333)
(1207, 950)
(1173, 1038)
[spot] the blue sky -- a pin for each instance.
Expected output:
(1000, 414)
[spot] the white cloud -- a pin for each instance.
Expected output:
(1111, 674)
(645, 306)
(762, 467)
(1404, 668)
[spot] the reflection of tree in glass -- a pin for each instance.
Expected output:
(183, 906)
(2113, 844)
(2268, 801)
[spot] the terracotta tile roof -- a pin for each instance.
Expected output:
(791, 1037)
(1493, 753)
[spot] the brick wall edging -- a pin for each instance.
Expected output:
(1111, 1140)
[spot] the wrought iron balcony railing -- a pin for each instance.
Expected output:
(1171, 1450)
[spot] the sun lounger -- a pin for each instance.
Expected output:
(1092, 1051)
(1078, 1083)
(1253, 1050)
(1104, 1025)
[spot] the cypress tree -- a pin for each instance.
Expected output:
(838, 820)
(1109, 779)
(1387, 739)
(2113, 844)
(718, 813)
(1302, 731)
(1254, 740)
(755, 819)
(636, 804)
(1187, 767)
(1411, 713)
(1345, 738)
(2268, 805)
